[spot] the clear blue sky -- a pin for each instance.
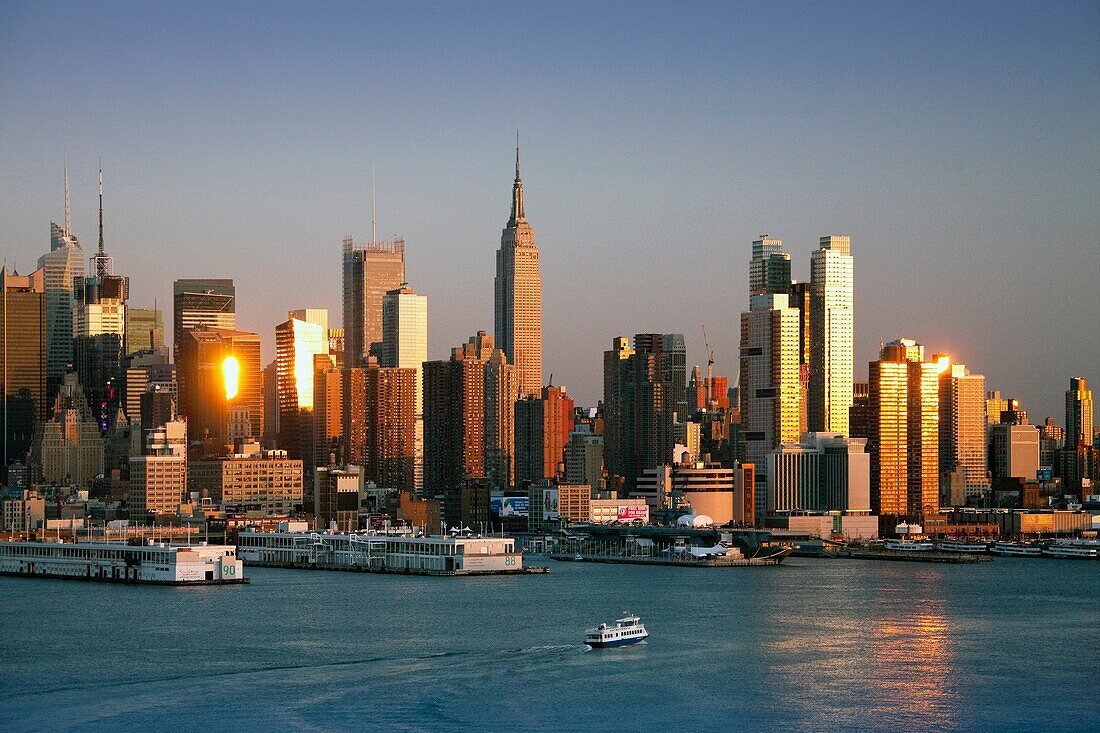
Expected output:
(956, 143)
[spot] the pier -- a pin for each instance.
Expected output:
(955, 558)
(375, 552)
(682, 562)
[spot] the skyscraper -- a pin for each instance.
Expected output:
(405, 345)
(543, 425)
(801, 298)
(962, 426)
(770, 267)
(297, 341)
(202, 302)
(904, 433)
(196, 302)
(217, 384)
(518, 294)
(62, 265)
(370, 271)
(68, 448)
(831, 335)
(144, 330)
(644, 386)
(1078, 413)
(23, 355)
(770, 389)
(99, 329)
(328, 395)
(468, 416)
(390, 427)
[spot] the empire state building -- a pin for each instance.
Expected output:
(518, 295)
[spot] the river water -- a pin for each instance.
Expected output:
(833, 645)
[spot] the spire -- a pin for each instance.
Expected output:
(373, 207)
(68, 209)
(517, 192)
(102, 265)
(101, 208)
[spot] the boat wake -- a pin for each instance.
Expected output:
(547, 648)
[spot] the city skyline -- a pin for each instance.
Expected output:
(942, 224)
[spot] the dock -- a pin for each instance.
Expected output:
(402, 553)
(954, 558)
(680, 562)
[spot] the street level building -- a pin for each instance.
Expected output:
(267, 483)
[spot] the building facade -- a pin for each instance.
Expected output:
(158, 484)
(62, 266)
(543, 424)
(144, 330)
(405, 346)
(644, 387)
(370, 271)
(962, 427)
(297, 342)
(220, 369)
(265, 482)
(770, 386)
(68, 448)
(824, 472)
(390, 418)
(1079, 413)
(518, 294)
(904, 432)
(832, 335)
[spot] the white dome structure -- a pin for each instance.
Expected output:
(694, 520)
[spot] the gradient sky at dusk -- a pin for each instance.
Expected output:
(956, 143)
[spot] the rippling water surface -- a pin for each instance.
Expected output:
(812, 645)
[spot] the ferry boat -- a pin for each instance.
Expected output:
(121, 562)
(962, 546)
(1014, 549)
(627, 630)
(1064, 549)
(909, 546)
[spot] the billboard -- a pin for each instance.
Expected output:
(1045, 473)
(514, 506)
(549, 505)
(628, 514)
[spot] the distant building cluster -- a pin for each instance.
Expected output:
(352, 426)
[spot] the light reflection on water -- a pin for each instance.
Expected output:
(817, 645)
(911, 662)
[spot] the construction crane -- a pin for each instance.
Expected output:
(710, 369)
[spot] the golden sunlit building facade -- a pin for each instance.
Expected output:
(327, 408)
(904, 431)
(962, 426)
(770, 390)
(832, 335)
(518, 294)
(297, 341)
(222, 370)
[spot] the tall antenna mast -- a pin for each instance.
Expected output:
(100, 207)
(102, 264)
(68, 209)
(373, 207)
